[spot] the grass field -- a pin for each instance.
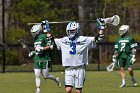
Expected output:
(96, 82)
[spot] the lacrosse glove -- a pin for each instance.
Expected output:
(38, 50)
(100, 36)
(51, 47)
(101, 23)
(31, 54)
(133, 59)
(114, 58)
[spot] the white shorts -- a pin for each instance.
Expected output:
(75, 77)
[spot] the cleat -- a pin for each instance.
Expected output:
(122, 85)
(58, 82)
(135, 84)
(37, 90)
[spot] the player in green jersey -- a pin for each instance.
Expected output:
(50, 39)
(125, 51)
(41, 56)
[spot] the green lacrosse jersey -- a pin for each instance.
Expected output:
(41, 41)
(124, 46)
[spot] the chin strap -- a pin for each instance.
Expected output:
(73, 38)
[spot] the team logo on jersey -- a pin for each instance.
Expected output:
(69, 42)
(123, 41)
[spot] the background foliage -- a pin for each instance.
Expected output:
(20, 12)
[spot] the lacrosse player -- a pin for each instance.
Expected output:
(41, 57)
(50, 39)
(74, 49)
(125, 52)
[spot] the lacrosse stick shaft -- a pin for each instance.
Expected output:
(114, 20)
(61, 22)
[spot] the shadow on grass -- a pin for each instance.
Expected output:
(133, 86)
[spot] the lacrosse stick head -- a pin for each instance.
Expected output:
(22, 41)
(23, 44)
(114, 20)
(110, 67)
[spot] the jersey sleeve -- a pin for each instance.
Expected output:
(116, 45)
(44, 40)
(91, 42)
(133, 43)
(58, 43)
(40, 41)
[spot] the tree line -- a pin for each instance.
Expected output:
(20, 12)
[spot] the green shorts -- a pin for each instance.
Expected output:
(124, 62)
(41, 65)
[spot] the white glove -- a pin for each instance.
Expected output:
(51, 47)
(101, 35)
(38, 50)
(114, 58)
(31, 54)
(133, 59)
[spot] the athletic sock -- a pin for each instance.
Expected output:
(123, 81)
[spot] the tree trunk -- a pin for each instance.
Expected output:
(0, 21)
(81, 15)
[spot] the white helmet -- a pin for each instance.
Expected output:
(73, 29)
(123, 29)
(36, 29)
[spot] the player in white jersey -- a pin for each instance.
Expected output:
(74, 49)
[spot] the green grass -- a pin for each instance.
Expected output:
(90, 67)
(96, 82)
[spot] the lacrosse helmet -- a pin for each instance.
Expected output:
(72, 30)
(45, 26)
(123, 30)
(36, 29)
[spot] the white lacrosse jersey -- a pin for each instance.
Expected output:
(75, 53)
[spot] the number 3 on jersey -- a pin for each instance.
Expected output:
(73, 48)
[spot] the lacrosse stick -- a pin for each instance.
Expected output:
(112, 65)
(22, 42)
(114, 20)
(62, 22)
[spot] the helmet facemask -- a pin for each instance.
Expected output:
(123, 30)
(71, 33)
